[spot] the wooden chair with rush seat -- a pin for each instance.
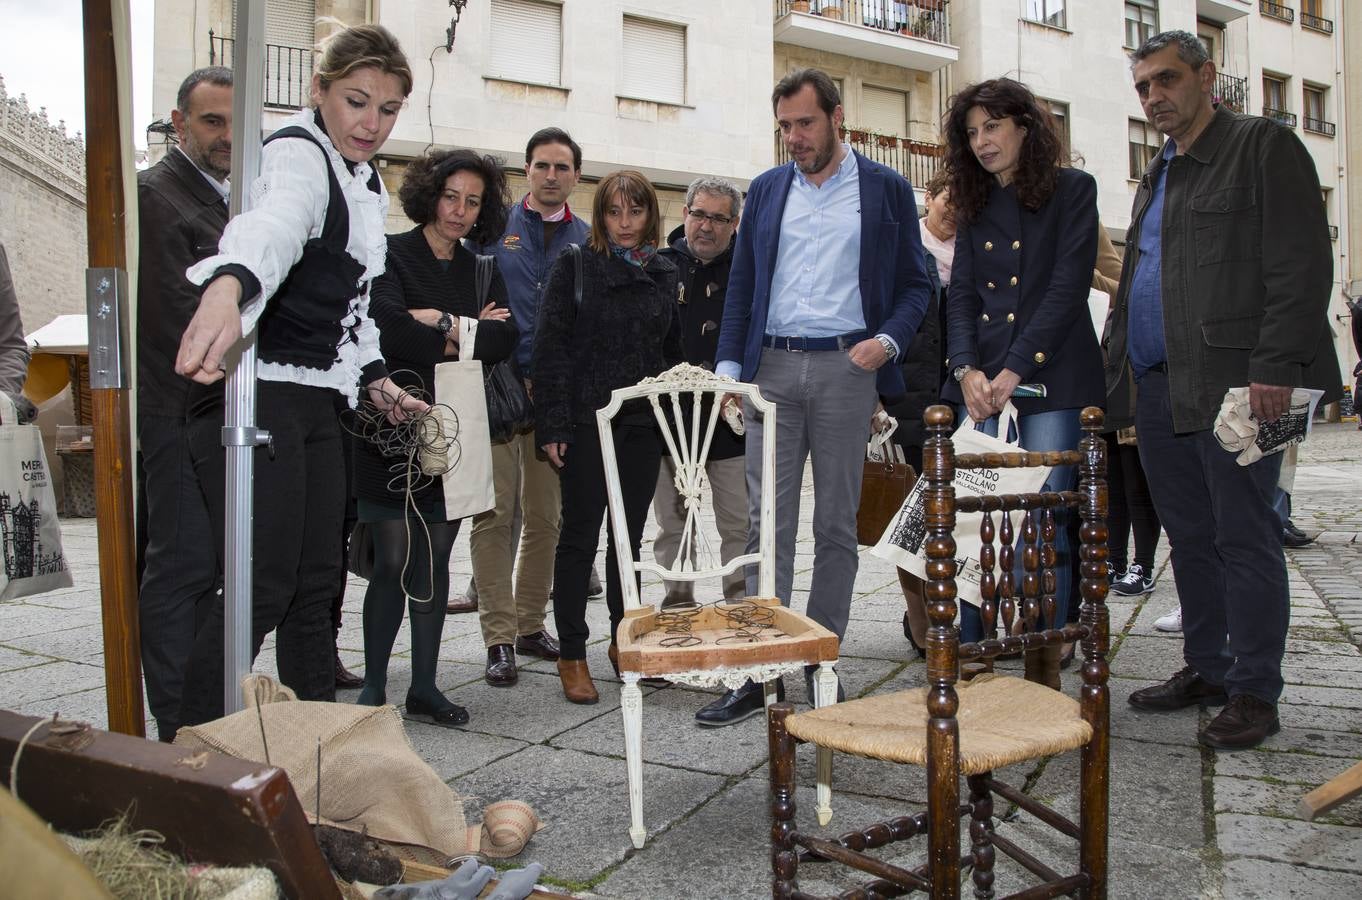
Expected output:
(718, 643)
(973, 728)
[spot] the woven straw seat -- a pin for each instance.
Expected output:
(963, 731)
(1003, 720)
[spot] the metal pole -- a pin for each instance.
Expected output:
(239, 434)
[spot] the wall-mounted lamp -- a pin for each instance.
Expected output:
(454, 23)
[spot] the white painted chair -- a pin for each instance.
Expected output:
(646, 649)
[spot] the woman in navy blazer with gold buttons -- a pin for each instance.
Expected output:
(1025, 246)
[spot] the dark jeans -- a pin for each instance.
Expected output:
(1226, 548)
(299, 505)
(1130, 509)
(181, 572)
(639, 455)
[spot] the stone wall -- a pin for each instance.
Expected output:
(42, 211)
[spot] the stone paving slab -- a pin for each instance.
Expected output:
(1260, 879)
(1252, 796)
(1284, 840)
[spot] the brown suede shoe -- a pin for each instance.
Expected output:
(576, 678)
(464, 604)
(1186, 688)
(501, 670)
(540, 644)
(1244, 723)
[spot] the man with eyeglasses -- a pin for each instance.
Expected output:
(702, 249)
(828, 287)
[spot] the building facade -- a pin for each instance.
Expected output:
(42, 211)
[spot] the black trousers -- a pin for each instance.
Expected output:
(181, 566)
(639, 455)
(1130, 509)
(1226, 544)
(299, 505)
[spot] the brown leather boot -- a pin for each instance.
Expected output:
(1042, 666)
(576, 678)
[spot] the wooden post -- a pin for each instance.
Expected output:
(107, 296)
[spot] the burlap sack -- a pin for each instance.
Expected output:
(371, 778)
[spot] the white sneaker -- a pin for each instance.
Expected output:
(1171, 622)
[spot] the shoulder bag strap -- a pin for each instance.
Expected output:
(483, 278)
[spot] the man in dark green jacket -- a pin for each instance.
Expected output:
(1225, 284)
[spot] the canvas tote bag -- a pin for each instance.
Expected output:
(29, 530)
(461, 404)
(902, 542)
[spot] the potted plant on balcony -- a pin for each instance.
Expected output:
(887, 140)
(858, 135)
(799, 6)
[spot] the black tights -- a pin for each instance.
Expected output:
(386, 598)
(1131, 510)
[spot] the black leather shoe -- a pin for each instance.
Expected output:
(594, 589)
(1186, 688)
(501, 666)
(808, 684)
(540, 644)
(1293, 537)
(908, 633)
(1244, 723)
(344, 677)
(734, 706)
(449, 715)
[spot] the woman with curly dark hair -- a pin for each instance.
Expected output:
(1017, 308)
(427, 310)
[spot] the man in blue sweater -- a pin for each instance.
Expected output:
(538, 229)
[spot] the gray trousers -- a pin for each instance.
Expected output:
(728, 489)
(823, 408)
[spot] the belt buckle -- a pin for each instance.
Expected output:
(791, 348)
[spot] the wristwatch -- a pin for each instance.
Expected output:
(445, 324)
(887, 344)
(959, 372)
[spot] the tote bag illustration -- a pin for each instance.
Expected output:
(903, 541)
(29, 530)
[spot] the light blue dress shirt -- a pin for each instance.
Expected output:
(816, 287)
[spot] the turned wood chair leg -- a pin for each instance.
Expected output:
(631, 702)
(825, 687)
(784, 857)
(981, 835)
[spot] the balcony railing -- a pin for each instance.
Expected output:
(1286, 118)
(1276, 11)
(915, 160)
(925, 19)
(288, 70)
(1319, 126)
(1316, 23)
(1231, 92)
(1333, 232)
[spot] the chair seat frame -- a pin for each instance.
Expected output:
(940, 876)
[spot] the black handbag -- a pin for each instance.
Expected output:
(509, 411)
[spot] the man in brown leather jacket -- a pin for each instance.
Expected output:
(1226, 284)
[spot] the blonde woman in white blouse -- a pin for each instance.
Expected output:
(297, 267)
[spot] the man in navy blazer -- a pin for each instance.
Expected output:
(828, 285)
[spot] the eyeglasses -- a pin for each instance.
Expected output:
(713, 219)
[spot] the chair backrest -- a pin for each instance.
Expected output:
(688, 438)
(1033, 599)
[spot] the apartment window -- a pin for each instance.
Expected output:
(1274, 94)
(884, 110)
(1213, 39)
(1048, 12)
(654, 60)
(527, 41)
(1060, 113)
(1145, 142)
(1313, 109)
(1142, 21)
(1312, 17)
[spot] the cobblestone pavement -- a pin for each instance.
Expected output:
(1185, 822)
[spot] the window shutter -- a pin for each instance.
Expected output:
(884, 111)
(527, 41)
(288, 23)
(654, 61)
